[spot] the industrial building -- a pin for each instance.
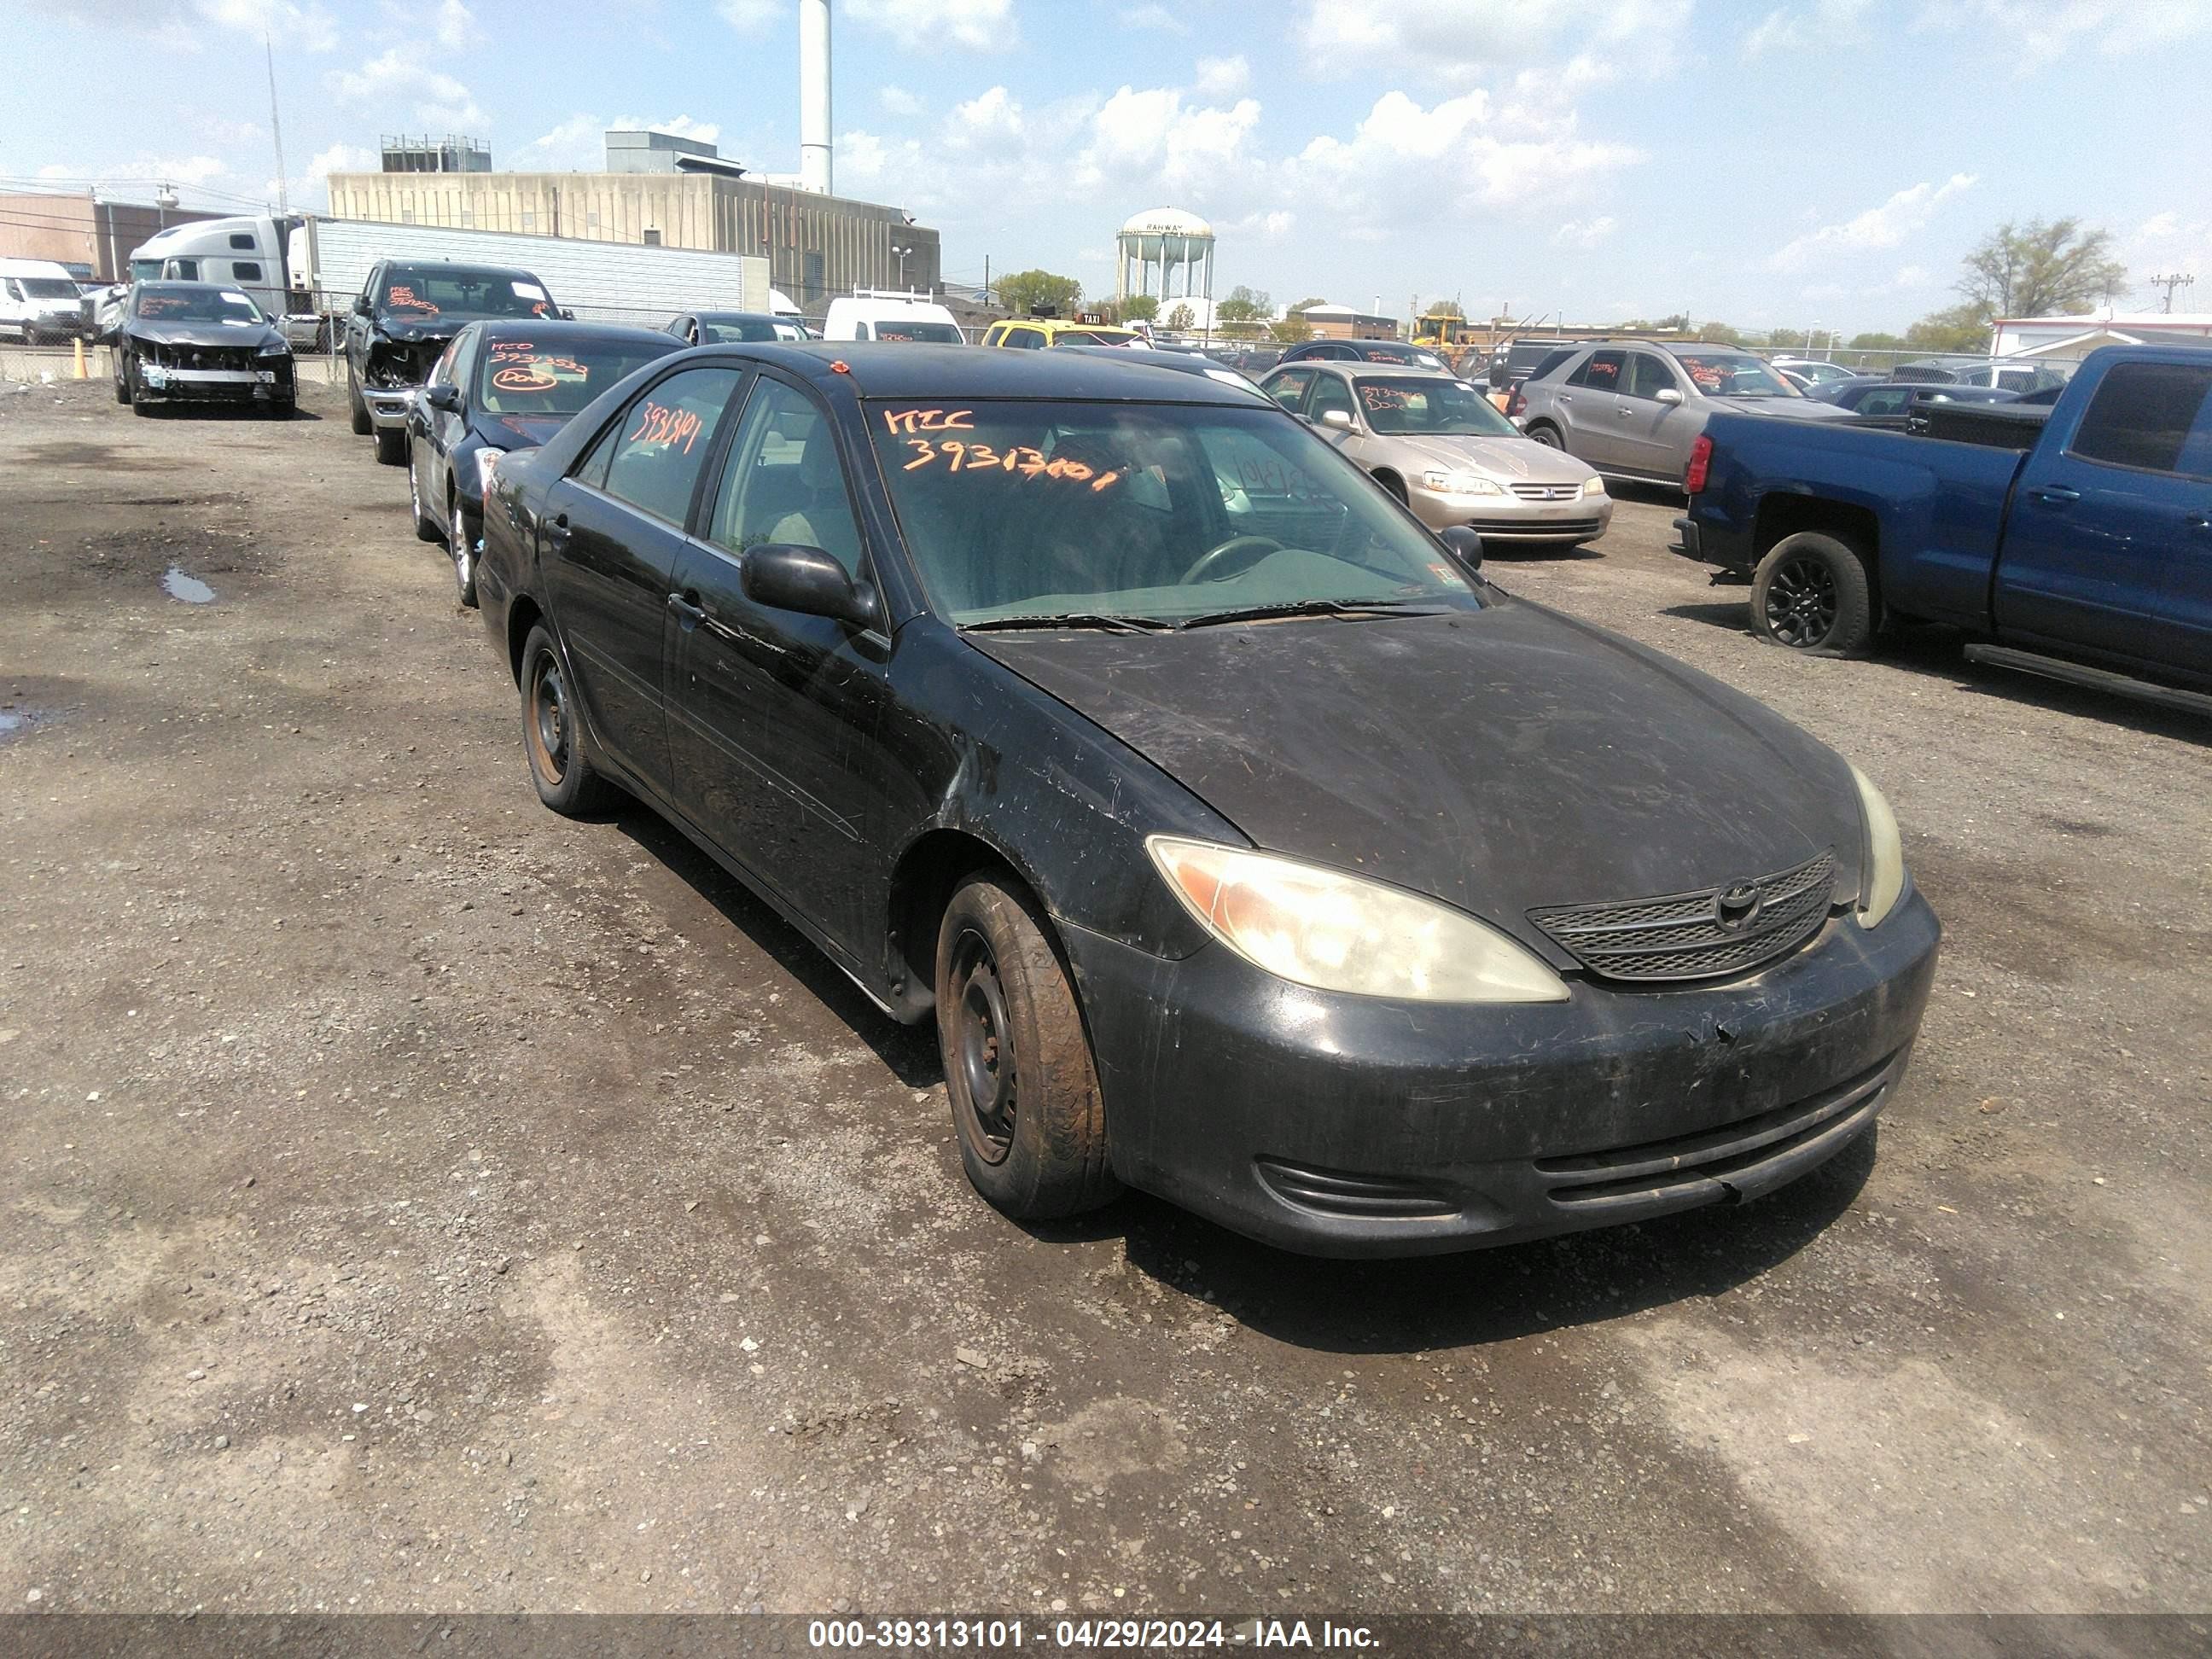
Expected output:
(79, 230)
(1343, 323)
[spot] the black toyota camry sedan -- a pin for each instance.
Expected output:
(1244, 844)
(180, 342)
(498, 387)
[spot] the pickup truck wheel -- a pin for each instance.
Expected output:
(390, 447)
(553, 734)
(1546, 435)
(1811, 594)
(362, 426)
(1026, 1105)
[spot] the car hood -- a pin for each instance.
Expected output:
(1511, 461)
(1497, 760)
(1788, 409)
(409, 333)
(252, 335)
(518, 431)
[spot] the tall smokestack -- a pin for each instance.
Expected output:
(814, 96)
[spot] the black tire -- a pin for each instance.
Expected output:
(122, 386)
(1811, 594)
(1032, 1132)
(1546, 434)
(424, 529)
(282, 408)
(553, 734)
(463, 534)
(1395, 484)
(390, 447)
(362, 425)
(137, 390)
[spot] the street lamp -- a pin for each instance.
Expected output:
(900, 254)
(165, 198)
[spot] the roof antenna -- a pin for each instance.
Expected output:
(283, 188)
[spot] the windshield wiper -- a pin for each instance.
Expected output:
(1097, 619)
(1311, 608)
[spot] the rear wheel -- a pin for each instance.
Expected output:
(1026, 1105)
(1811, 594)
(553, 734)
(1546, 435)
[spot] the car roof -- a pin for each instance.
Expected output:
(484, 266)
(548, 328)
(1370, 368)
(167, 286)
(1179, 362)
(897, 369)
(740, 317)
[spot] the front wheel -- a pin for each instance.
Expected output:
(390, 447)
(1026, 1105)
(1395, 484)
(362, 426)
(122, 386)
(461, 543)
(1811, 594)
(553, 734)
(424, 530)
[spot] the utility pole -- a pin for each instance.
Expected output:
(276, 132)
(2170, 283)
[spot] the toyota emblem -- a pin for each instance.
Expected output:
(1735, 908)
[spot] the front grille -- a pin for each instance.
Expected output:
(1682, 935)
(1356, 1197)
(1537, 526)
(176, 356)
(1545, 492)
(1624, 1176)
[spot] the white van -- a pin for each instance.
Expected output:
(875, 314)
(38, 302)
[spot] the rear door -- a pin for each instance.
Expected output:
(613, 529)
(2109, 542)
(772, 716)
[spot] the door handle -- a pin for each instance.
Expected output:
(557, 531)
(691, 612)
(2057, 494)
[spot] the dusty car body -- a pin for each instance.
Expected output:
(404, 317)
(1243, 843)
(200, 342)
(1440, 446)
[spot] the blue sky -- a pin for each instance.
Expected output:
(1765, 163)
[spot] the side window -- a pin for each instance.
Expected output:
(2144, 415)
(1648, 376)
(660, 444)
(185, 270)
(1600, 372)
(860, 331)
(1329, 393)
(238, 240)
(1028, 339)
(1885, 400)
(1289, 387)
(783, 482)
(442, 372)
(245, 270)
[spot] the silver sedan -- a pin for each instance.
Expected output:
(1440, 446)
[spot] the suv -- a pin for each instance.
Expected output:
(1632, 409)
(405, 315)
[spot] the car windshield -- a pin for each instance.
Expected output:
(1106, 336)
(196, 305)
(1404, 354)
(738, 331)
(47, 288)
(899, 328)
(1021, 512)
(1733, 375)
(411, 295)
(1406, 405)
(526, 377)
(145, 270)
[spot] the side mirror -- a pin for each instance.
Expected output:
(1464, 545)
(1666, 394)
(361, 304)
(808, 581)
(1337, 417)
(567, 315)
(447, 397)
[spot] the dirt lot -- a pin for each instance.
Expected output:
(409, 1200)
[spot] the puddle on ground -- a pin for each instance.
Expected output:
(15, 722)
(191, 589)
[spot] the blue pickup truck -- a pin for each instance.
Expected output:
(2073, 541)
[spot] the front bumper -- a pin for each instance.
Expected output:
(388, 406)
(273, 384)
(1350, 1125)
(1511, 519)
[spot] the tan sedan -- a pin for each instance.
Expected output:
(1438, 445)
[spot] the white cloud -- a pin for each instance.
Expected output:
(179, 25)
(401, 75)
(1156, 17)
(861, 155)
(987, 118)
(1224, 78)
(578, 144)
(681, 126)
(934, 24)
(1585, 233)
(2159, 227)
(1454, 40)
(342, 158)
(1825, 24)
(751, 16)
(1153, 136)
(2035, 32)
(897, 100)
(1900, 216)
(455, 27)
(309, 27)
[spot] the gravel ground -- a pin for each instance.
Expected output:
(410, 1200)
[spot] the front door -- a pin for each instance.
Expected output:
(774, 717)
(612, 529)
(2109, 541)
(1586, 407)
(1642, 441)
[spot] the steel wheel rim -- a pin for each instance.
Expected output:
(414, 489)
(464, 554)
(549, 718)
(983, 1047)
(1801, 602)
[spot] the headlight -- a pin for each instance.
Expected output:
(276, 349)
(1594, 486)
(1885, 865)
(1462, 483)
(487, 463)
(1340, 932)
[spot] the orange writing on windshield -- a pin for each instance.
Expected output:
(403, 297)
(660, 425)
(1019, 459)
(929, 420)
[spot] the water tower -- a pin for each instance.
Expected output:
(1155, 246)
